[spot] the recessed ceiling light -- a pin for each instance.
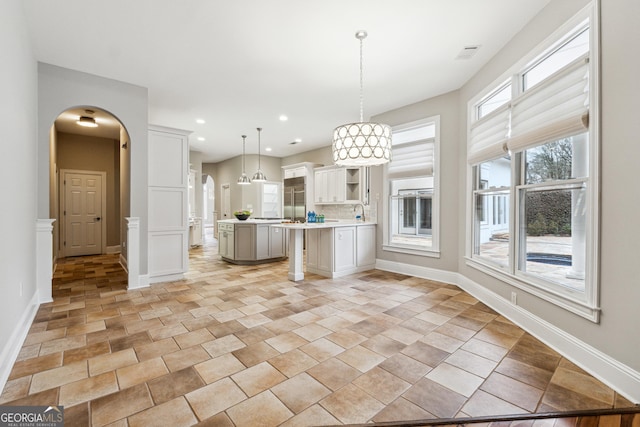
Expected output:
(267, 149)
(201, 138)
(297, 140)
(283, 118)
(200, 121)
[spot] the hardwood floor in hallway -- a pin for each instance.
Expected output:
(242, 345)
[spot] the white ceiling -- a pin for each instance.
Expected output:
(240, 64)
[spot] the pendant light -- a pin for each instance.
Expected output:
(244, 179)
(259, 176)
(86, 120)
(362, 143)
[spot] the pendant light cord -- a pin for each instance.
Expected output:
(361, 37)
(244, 140)
(259, 149)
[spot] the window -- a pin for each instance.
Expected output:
(412, 193)
(534, 173)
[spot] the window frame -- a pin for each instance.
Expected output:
(387, 243)
(585, 304)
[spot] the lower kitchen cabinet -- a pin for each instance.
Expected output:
(250, 242)
(339, 251)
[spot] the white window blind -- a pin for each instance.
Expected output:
(412, 159)
(554, 108)
(488, 136)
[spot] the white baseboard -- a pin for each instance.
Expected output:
(416, 270)
(611, 372)
(11, 349)
(143, 282)
(113, 249)
(164, 278)
(123, 263)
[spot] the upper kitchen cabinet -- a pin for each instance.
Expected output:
(336, 185)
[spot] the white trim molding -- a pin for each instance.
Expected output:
(611, 372)
(133, 254)
(12, 347)
(44, 259)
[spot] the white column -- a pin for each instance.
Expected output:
(44, 259)
(296, 242)
(133, 252)
(579, 168)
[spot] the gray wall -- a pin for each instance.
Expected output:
(60, 89)
(617, 334)
(228, 171)
(19, 111)
(447, 107)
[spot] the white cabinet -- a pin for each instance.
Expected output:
(295, 172)
(344, 249)
(336, 185)
(168, 220)
(319, 250)
(366, 249)
(226, 240)
(339, 251)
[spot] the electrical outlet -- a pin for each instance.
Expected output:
(514, 298)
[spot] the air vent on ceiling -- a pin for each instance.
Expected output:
(467, 52)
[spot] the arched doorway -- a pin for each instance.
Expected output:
(89, 183)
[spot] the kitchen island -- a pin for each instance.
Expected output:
(252, 241)
(335, 248)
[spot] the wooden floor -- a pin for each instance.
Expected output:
(242, 345)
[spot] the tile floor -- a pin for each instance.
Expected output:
(236, 345)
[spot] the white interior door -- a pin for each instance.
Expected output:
(226, 202)
(82, 211)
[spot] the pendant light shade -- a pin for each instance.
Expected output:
(86, 120)
(259, 175)
(362, 143)
(244, 179)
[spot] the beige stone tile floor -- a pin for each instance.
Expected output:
(244, 346)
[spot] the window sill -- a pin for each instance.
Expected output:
(560, 299)
(412, 250)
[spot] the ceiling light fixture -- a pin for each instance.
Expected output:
(361, 144)
(87, 121)
(244, 179)
(283, 118)
(259, 176)
(200, 121)
(201, 138)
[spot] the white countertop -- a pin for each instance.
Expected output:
(331, 223)
(251, 221)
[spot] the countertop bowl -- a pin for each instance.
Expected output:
(242, 217)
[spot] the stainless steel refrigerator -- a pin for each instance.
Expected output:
(294, 199)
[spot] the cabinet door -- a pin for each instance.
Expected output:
(313, 238)
(325, 243)
(262, 241)
(344, 248)
(244, 242)
(276, 242)
(366, 245)
(320, 186)
(222, 243)
(339, 185)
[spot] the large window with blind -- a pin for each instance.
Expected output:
(533, 157)
(412, 189)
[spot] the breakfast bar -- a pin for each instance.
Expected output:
(334, 248)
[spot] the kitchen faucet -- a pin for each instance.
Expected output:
(356, 206)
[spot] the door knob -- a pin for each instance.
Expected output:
(98, 219)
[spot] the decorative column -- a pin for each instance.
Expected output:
(133, 252)
(579, 168)
(44, 259)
